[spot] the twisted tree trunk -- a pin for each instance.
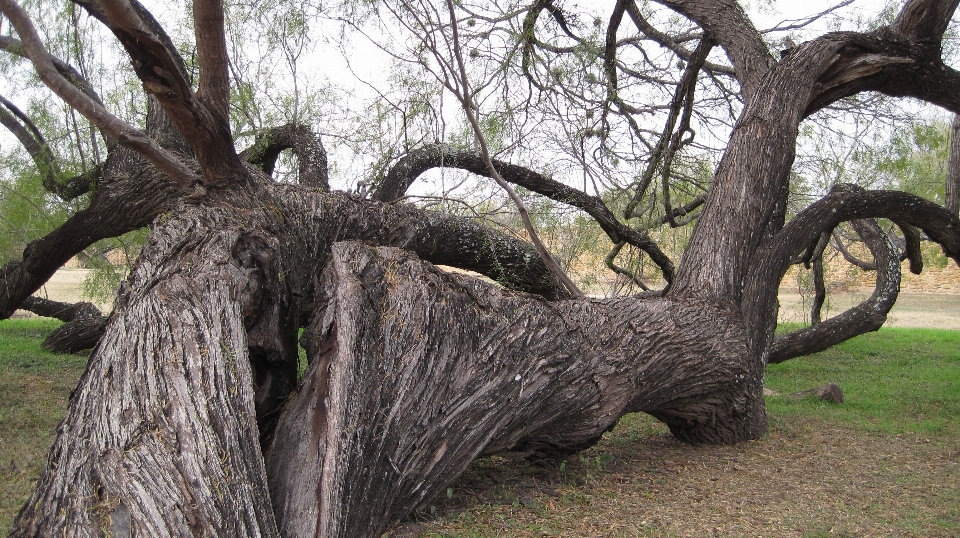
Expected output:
(415, 373)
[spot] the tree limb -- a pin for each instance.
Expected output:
(311, 156)
(865, 317)
(726, 21)
(411, 166)
(647, 29)
(32, 140)
(59, 310)
(952, 194)
(126, 134)
(844, 203)
(202, 119)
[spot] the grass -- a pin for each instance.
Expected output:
(895, 381)
(885, 463)
(34, 389)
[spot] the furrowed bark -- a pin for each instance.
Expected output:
(161, 437)
(414, 373)
(77, 335)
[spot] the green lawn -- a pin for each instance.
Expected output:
(895, 381)
(34, 389)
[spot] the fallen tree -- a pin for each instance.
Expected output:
(189, 419)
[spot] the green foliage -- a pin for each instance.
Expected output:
(109, 262)
(27, 210)
(914, 159)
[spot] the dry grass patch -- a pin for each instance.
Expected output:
(807, 478)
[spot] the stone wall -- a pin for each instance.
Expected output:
(841, 276)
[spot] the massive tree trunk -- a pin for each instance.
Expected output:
(200, 354)
(415, 373)
(161, 436)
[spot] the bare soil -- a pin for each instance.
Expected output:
(806, 478)
(918, 310)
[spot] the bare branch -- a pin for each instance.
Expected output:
(126, 134)
(415, 163)
(59, 310)
(466, 100)
(671, 141)
(726, 21)
(803, 23)
(609, 261)
(844, 203)
(202, 119)
(670, 42)
(306, 145)
(15, 46)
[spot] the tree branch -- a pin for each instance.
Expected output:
(212, 58)
(33, 141)
(202, 119)
(15, 46)
(865, 317)
(726, 21)
(126, 134)
(461, 90)
(952, 188)
(410, 166)
(306, 145)
(925, 21)
(667, 41)
(844, 203)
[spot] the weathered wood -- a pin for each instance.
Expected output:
(161, 435)
(415, 372)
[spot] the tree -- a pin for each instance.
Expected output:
(189, 418)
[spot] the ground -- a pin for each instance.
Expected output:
(806, 478)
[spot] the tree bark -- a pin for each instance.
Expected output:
(199, 356)
(77, 335)
(63, 311)
(161, 436)
(202, 349)
(414, 373)
(82, 328)
(952, 202)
